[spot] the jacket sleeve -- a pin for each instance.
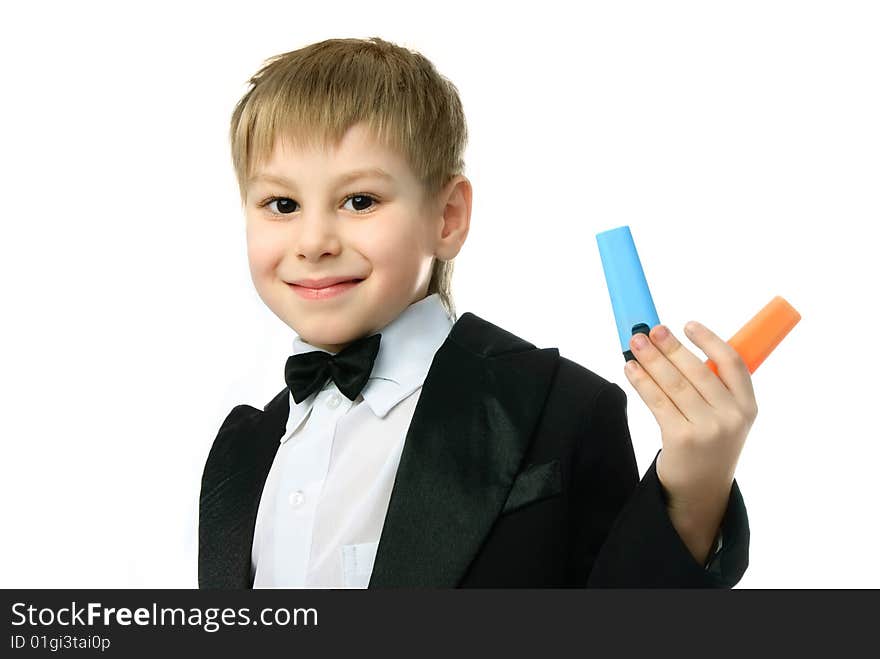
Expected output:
(638, 546)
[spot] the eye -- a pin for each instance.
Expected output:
(271, 200)
(359, 199)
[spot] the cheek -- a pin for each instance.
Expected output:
(262, 253)
(398, 247)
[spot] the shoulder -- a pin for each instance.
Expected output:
(225, 450)
(243, 415)
(490, 339)
(234, 445)
(240, 414)
(571, 373)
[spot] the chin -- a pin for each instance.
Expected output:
(328, 338)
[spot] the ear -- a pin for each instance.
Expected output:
(455, 219)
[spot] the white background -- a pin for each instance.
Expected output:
(738, 140)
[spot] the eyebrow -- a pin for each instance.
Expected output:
(375, 172)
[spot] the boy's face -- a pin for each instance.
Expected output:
(371, 229)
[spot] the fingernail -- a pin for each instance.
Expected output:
(661, 332)
(639, 340)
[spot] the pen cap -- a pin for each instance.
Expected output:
(630, 297)
(758, 337)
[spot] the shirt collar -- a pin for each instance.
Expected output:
(406, 352)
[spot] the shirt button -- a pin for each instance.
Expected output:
(334, 401)
(296, 498)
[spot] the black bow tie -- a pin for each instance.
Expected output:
(349, 368)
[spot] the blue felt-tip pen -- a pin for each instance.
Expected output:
(630, 296)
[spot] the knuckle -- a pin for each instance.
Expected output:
(658, 402)
(678, 385)
(732, 422)
(736, 360)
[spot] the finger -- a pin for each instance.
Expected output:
(667, 413)
(692, 367)
(668, 375)
(733, 375)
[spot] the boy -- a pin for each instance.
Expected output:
(411, 449)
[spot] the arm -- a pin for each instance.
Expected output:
(635, 542)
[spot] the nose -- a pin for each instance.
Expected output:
(317, 235)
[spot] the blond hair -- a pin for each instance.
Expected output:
(313, 95)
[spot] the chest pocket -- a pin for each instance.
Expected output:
(534, 483)
(357, 564)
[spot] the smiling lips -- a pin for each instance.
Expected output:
(320, 289)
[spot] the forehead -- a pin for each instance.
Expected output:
(358, 153)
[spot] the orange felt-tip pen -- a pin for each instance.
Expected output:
(760, 336)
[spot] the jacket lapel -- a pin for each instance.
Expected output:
(478, 408)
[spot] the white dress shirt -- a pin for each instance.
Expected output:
(325, 498)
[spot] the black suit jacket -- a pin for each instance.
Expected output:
(517, 471)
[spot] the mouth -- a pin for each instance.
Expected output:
(311, 291)
(323, 282)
